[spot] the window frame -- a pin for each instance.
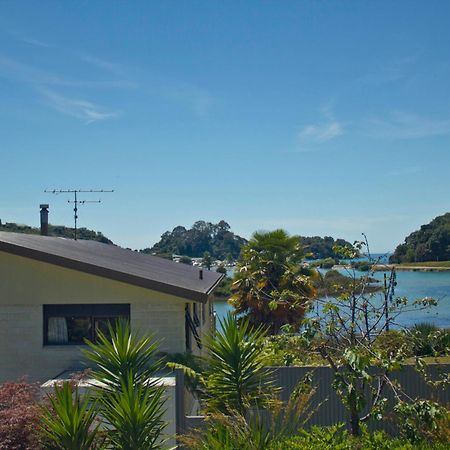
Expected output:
(90, 310)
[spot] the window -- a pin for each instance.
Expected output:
(187, 328)
(203, 313)
(72, 324)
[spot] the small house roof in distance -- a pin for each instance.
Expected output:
(116, 263)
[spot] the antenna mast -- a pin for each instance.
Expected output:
(75, 200)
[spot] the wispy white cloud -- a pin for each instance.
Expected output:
(80, 108)
(195, 99)
(391, 72)
(108, 66)
(311, 136)
(184, 94)
(411, 170)
(35, 42)
(320, 133)
(349, 227)
(26, 73)
(404, 125)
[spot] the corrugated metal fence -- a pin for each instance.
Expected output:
(331, 410)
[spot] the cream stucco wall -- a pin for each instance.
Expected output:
(26, 285)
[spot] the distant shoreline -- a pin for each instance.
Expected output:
(401, 267)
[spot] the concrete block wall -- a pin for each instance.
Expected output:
(26, 285)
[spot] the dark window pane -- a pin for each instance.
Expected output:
(73, 323)
(79, 328)
(101, 324)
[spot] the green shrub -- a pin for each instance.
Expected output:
(391, 342)
(362, 266)
(428, 339)
(336, 438)
(422, 420)
(326, 263)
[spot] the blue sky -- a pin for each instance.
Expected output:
(323, 118)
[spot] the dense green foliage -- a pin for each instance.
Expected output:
(58, 231)
(224, 290)
(336, 438)
(317, 247)
(271, 286)
(430, 243)
(334, 284)
(232, 377)
(216, 239)
(131, 402)
(69, 421)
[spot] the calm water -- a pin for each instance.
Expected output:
(412, 285)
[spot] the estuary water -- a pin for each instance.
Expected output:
(413, 285)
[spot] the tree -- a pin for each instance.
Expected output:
(217, 239)
(207, 260)
(347, 331)
(186, 260)
(430, 243)
(271, 286)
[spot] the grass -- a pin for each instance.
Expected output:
(427, 264)
(430, 360)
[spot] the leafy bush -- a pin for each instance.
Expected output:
(362, 266)
(336, 438)
(422, 420)
(255, 430)
(69, 421)
(326, 263)
(428, 339)
(129, 398)
(19, 416)
(287, 349)
(391, 342)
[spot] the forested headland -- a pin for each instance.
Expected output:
(430, 243)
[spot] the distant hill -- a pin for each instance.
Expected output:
(430, 243)
(321, 248)
(59, 231)
(215, 238)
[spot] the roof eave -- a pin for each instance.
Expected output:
(107, 273)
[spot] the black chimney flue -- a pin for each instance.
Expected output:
(44, 220)
(200, 274)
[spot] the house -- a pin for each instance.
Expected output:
(54, 292)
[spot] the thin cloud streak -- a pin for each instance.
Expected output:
(403, 171)
(350, 227)
(402, 125)
(392, 72)
(108, 66)
(187, 95)
(25, 73)
(320, 133)
(80, 108)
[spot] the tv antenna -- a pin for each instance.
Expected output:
(75, 200)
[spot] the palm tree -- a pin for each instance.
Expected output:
(271, 286)
(68, 422)
(130, 401)
(232, 377)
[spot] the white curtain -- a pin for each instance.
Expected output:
(57, 331)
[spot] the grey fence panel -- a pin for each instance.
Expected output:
(179, 401)
(328, 406)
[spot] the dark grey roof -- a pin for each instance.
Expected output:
(114, 262)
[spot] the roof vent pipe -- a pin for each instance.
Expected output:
(200, 274)
(44, 220)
